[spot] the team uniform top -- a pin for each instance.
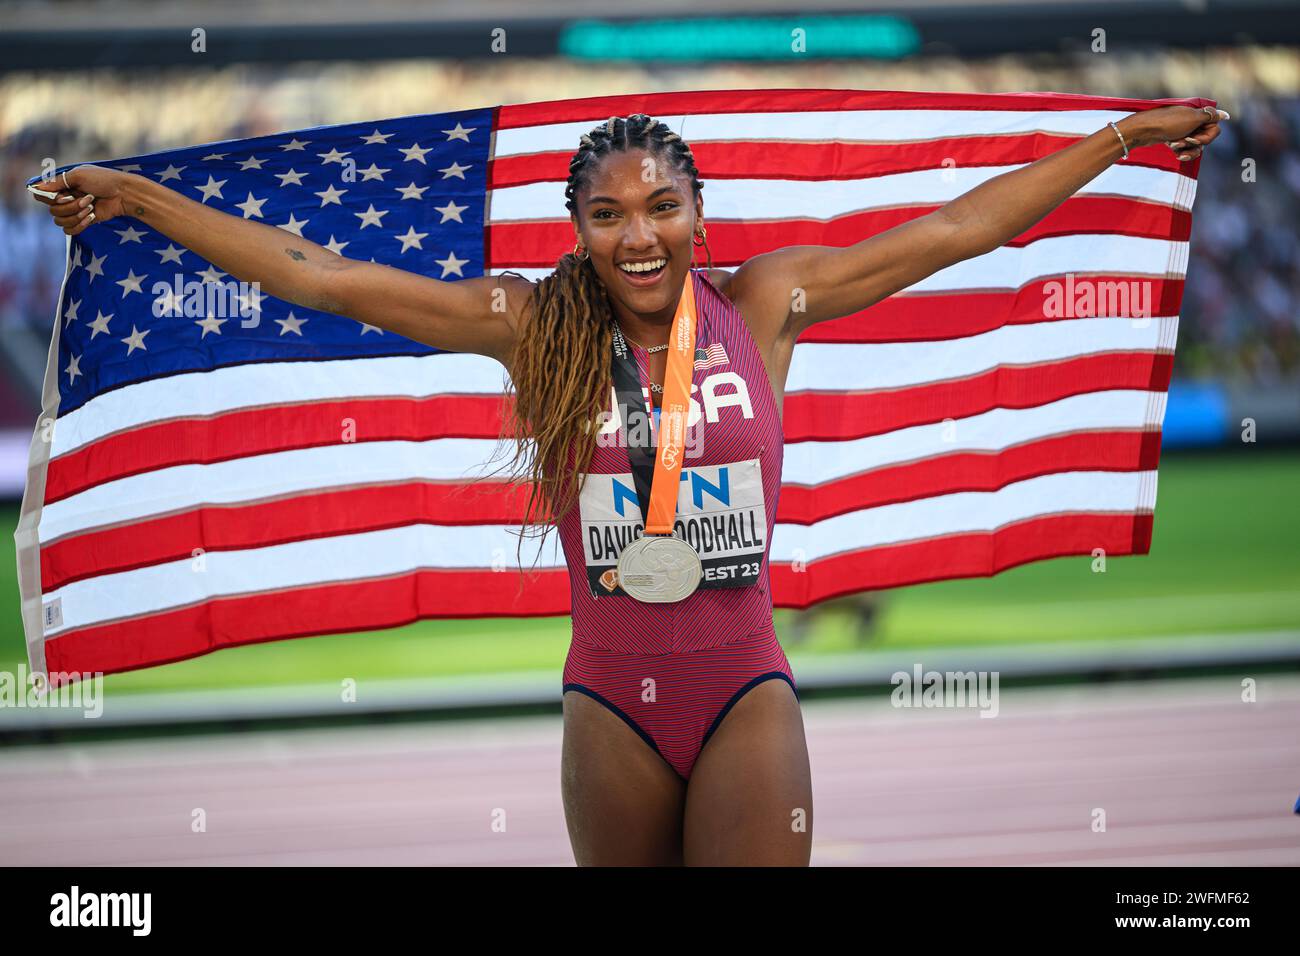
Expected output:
(729, 487)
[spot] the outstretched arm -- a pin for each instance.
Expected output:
(478, 315)
(841, 281)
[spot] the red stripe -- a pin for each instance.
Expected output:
(539, 245)
(394, 602)
(760, 159)
(599, 108)
(981, 554)
(925, 317)
(1112, 450)
(808, 416)
(303, 612)
(173, 537)
(239, 433)
(832, 416)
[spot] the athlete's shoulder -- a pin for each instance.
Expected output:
(720, 279)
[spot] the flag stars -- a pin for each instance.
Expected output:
(170, 254)
(415, 153)
(294, 144)
(371, 217)
(333, 156)
(73, 369)
(367, 327)
(171, 172)
(459, 132)
(100, 324)
(210, 274)
(251, 302)
(455, 169)
(212, 188)
(70, 313)
(451, 264)
(169, 303)
(135, 340)
(335, 246)
(130, 168)
(451, 211)
(330, 195)
(377, 137)
(291, 324)
(131, 283)
(252, 163)
(129, 234)
(214, 157)
(373, 172)
(412, 191)
(96, 266)
(252, 207)
(294, 225)
(210, 324)
(412, 238)
(291, 176)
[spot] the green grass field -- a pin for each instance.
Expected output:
(1224, 558)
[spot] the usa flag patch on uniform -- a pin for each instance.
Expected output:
(715, 354)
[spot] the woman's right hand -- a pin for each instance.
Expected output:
(94, 194)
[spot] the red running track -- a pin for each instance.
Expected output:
(1186, 772)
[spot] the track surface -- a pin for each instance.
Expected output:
(1185, 771)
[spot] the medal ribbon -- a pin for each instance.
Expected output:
(657, 492)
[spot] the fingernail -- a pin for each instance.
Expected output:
(1223, 114)
(84, 201)
(90, 218)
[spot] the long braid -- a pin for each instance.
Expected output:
(560, 364)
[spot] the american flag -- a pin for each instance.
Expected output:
(199, 481)
(710, 357)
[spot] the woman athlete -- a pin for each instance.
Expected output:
(683, 738)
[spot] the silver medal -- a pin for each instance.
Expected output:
(659, 568)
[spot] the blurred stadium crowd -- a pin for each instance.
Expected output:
(1241, 312)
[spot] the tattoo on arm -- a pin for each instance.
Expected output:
(139, 210)
(295, 254)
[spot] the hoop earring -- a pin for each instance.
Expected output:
(576, 247)
(703, 235)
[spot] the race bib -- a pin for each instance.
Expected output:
(720, 513)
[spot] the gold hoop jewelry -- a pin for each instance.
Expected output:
(576, 247)
(703, 236)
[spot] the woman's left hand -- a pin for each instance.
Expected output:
(1184, 129)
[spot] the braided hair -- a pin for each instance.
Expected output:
(560, 363)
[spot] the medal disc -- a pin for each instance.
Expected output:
(659, 568)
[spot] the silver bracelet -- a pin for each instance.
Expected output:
(1121, 137)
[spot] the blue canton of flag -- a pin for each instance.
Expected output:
(408, 193)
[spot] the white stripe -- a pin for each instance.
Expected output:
(845, 366)
(969, 511)
(814, 366)
(817, 126)
(280, 474)
(812, 463)
(1009, 267)
(397, 550)
(257, 477)
(200, 394)
(318, 561)
(757, 200)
